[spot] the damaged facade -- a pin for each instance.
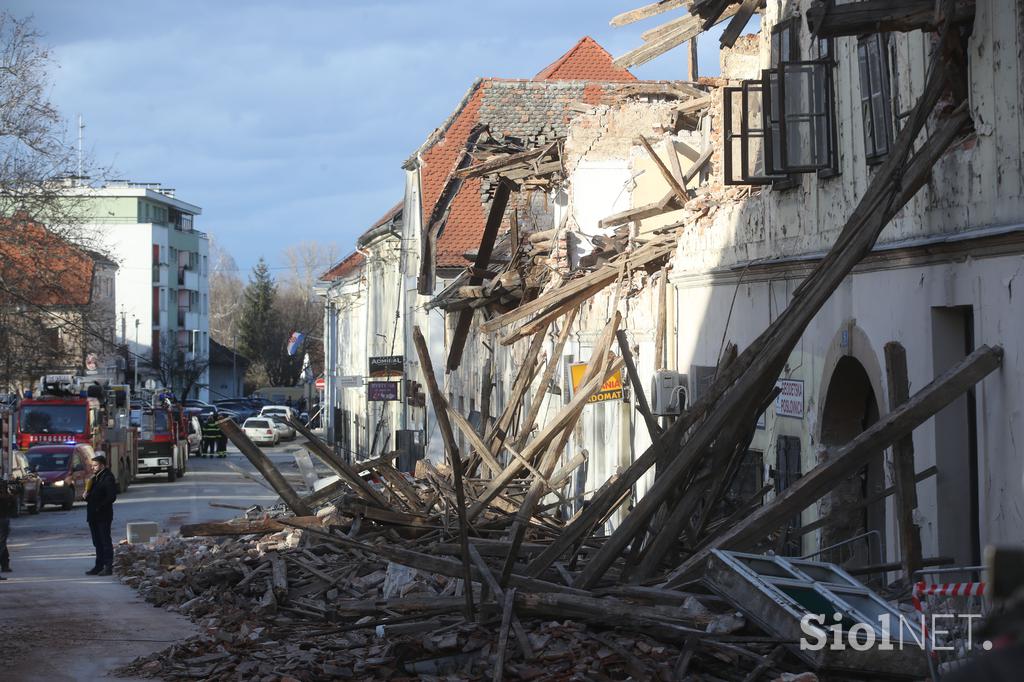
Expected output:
(720, 224)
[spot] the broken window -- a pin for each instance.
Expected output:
(784, 123)
(876, 105)
(778, 593)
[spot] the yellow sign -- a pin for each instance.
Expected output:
(610, 390)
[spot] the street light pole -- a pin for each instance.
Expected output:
(136, 382)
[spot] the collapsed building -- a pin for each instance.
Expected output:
(646, 340)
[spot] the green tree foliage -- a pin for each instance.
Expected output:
(267, 320)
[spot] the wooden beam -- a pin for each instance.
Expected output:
(338, 465)
(828, 20)
(265, 467)
(664, 205)
(645, 12)
(244, 526)
(660, 324)
(673, 183)
(693, 64)
(847, 460)
(704, 157)
(686, 28)
(639, 397)
(903, 462)
(739, 22)
(454, 459)
(502, 163)
(554, 362)
(483, 258)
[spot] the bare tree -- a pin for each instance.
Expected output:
(41, 209)
(176, 367)
(226, 296)
(306, 261)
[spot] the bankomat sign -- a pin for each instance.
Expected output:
(387, 365)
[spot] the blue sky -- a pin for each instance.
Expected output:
(289, 121)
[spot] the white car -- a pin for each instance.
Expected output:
(284, 429)
(261, 430)
(278, 411)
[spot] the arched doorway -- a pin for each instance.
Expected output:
(850, 408)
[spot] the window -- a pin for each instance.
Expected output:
(784, 123)
(876, 105)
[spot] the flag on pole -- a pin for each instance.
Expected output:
(294, 341)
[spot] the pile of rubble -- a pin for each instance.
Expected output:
(314, 604)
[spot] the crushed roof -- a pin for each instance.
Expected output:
(535, 111)
(586, 61)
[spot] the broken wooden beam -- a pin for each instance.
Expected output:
(338, 465)
(264, 466)
(833, 20)
(848, 459)
(244, 527)
(898, 384)
(673, 183)
(646, 12)
(454, 458)
(639, 397)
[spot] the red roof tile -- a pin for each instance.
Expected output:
(60, 272)
(586, 61)
(348, 265)
(527, 109)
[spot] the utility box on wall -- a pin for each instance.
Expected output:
(409, 443)
(668, 393)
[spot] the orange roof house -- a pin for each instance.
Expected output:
(531, 110)
(41, 268)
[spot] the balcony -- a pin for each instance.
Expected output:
(188, 279)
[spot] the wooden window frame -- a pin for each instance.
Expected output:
(790, 28)
(874, 95)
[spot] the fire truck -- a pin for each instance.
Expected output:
(66, 410)
(163, 446)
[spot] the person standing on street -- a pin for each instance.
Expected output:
(99, 512)
(211, 435)
(8, 508)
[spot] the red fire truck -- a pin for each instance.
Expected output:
(163, 446)
(66, 411)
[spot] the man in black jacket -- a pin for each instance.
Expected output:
(99, 512)
(8, 508)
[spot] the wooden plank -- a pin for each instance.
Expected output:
(639, 397)
(596, 369)
(506, 623)
(463, 425)
(664, 205)
(903, 462)
(554, 362)
(704, 157)
(827, 20)
(659, 327)
(454, 460)
(243, 527)
(338, 465)
(645, 12)
(599, 278)
(565, 418)
(686, 28)
(673, 183)
(265, 467)
(848, 459)
(278, 576)
(483, 259)
(501, 163)
(739, 22)
(693, 63)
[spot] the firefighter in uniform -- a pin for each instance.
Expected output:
(211, 436)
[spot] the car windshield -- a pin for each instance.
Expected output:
(53, 418)
(257, 424)
(49, 461)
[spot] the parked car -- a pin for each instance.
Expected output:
(242, 408)
(284, 429)
(63, 471)
(200, 408)
(261, 430)
(195, 430)
(278, 411)
(27, 483)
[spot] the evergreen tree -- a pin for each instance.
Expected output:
(258, 325)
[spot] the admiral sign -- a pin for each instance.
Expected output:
(387, 365)
(610, 390)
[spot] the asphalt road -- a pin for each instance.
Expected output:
(58, 623)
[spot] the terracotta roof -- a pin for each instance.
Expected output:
(345, 267)
(42, 267)
(586, 61)
(534, 110)
(392, 213)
